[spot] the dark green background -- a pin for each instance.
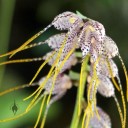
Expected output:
(31, 16)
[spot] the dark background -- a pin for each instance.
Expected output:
(31, 16)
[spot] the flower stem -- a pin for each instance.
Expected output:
(76, 116)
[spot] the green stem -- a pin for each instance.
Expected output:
(76, 117)
(6, 13)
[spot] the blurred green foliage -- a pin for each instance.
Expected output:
(6, 15)
(30, 16)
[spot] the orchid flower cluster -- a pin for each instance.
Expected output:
(83, 39)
